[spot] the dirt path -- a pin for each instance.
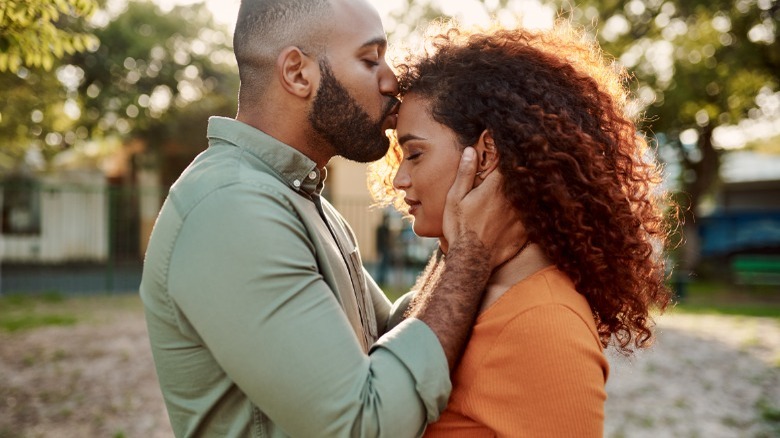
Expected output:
(94, 379)
(708, 376)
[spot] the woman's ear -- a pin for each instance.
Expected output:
(487, 156)
(297, 72)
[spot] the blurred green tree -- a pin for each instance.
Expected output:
(155, 78)
(32, 108)
(34, 33)
(698, 65)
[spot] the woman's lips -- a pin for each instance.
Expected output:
(413, 205)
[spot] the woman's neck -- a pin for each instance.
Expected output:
(527, 262)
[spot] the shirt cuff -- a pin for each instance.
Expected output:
(418, 348)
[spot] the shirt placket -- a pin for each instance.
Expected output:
(357, 288)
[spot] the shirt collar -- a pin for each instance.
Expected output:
(292, 167)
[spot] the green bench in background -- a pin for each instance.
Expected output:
(756, 269)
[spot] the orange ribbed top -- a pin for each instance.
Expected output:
(534, 367)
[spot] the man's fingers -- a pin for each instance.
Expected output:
(490, 183)
(464, 180)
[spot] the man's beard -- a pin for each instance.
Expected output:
(344, 124)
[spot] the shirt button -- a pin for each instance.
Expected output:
(297, 183)
(312, 174)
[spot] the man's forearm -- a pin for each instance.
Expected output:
(450, 308)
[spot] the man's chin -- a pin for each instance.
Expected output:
(376, 153)
(381, 152)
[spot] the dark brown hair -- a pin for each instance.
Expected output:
(583, 179)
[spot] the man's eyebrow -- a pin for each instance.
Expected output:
(406, 137)
(378, 41)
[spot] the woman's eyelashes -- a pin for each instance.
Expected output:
(411, 156)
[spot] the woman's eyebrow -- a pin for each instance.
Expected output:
(406, 137)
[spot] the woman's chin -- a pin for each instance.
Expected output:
(423, 231)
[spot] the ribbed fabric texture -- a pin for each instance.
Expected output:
(534, 367)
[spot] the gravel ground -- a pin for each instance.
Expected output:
(707, 376)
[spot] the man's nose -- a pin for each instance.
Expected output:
(388, 83)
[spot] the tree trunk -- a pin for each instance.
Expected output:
(706, 172)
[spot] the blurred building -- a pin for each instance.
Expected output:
(740, 236)
(745, 217)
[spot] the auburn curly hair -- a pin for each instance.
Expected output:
(585, 182)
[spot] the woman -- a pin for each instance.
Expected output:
(547, 112)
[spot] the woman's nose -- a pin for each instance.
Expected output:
(401, 181)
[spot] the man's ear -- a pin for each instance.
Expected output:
(487, 155)
(297, 72)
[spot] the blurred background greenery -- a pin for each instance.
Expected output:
(104, 102)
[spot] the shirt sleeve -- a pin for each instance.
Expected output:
(544, 376)
(244, 274)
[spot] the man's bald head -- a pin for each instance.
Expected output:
(265, 27)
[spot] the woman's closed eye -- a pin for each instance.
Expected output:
(412, 156)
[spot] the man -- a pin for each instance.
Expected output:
(261, 318)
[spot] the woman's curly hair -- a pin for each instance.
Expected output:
(583, 179)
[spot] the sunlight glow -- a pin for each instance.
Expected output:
(469, 12)
(528, 13)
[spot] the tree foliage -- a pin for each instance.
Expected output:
(32, 108)
(698, 65)
(151, 67)
(35, 33)
(155, 77)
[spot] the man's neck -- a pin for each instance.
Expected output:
(297, 134)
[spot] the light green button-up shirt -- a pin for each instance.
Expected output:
(261, 318)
